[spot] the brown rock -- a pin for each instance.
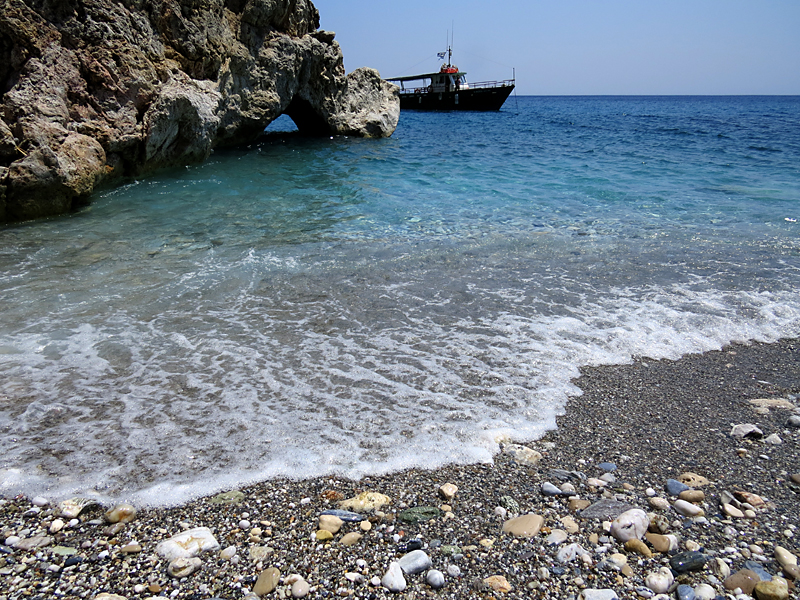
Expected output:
(498, 583)
(771, 590)
(692, 495)
(525, 526)
(350, 539)
(267, 581)
(693, 479)
(745, 579)
(576, 504)
(638, 547)
(791, 571)
(323, 535)
(330, 523)
(661, 543)
(796, 478)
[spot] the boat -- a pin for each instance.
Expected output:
(448, 89)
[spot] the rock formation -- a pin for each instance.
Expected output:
(98, 89)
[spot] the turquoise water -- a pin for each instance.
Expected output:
(305, 307)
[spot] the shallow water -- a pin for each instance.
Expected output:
(304, 307)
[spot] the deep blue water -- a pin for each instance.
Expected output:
(348, 306)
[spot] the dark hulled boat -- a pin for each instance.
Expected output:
(448, 90)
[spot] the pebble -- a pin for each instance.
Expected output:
(393, 579)
(632, 524)
(784, 556)
(267, 581)
(615, 562)
(743, 579)
(758, 569)
(658, 503)
(685, 592)
(448, 491)
(498, 583)
(605, 509)
(570, 525)
(183, 567)
(732, 511)
(556, 537)
(687, 509)
(704, 592)
(414, 562)
(776, 589)
(590, 594)
(435, 579)
(548, 489)
(188, 544)
(570, 553)
(746, 430)
(662, 543)
(522, 454)
(74, 507)
(693, 479)
(692, 495)
(344, 515)
(525, 526)
(453, 570)
(300, 588)
(121, 513)
(365, 502)
(659, 581)
(323, 535)
(675, 487)
(349, 539)
(688, 561)
(56, 526)
(418, 514)
(637, 546)
(331, 523)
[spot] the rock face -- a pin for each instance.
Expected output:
(97, 89)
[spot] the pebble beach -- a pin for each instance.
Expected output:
(664, 479)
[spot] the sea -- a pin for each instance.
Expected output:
(344, 307)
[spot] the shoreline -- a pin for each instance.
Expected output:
(653, 419)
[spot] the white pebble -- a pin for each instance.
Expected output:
(435, 579)
(244, 524)
(453, 571)
(40, 501)
(305, 501)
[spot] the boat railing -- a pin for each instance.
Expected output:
(469, 86)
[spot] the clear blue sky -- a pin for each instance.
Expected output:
(581, 46)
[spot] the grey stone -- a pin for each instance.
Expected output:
(414, 562)
(675, 487)
(688, 561)
(605, 509)
(685, 592)
(344, 515)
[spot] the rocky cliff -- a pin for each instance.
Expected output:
(97, 89)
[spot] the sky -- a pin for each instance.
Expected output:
(577, 47)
